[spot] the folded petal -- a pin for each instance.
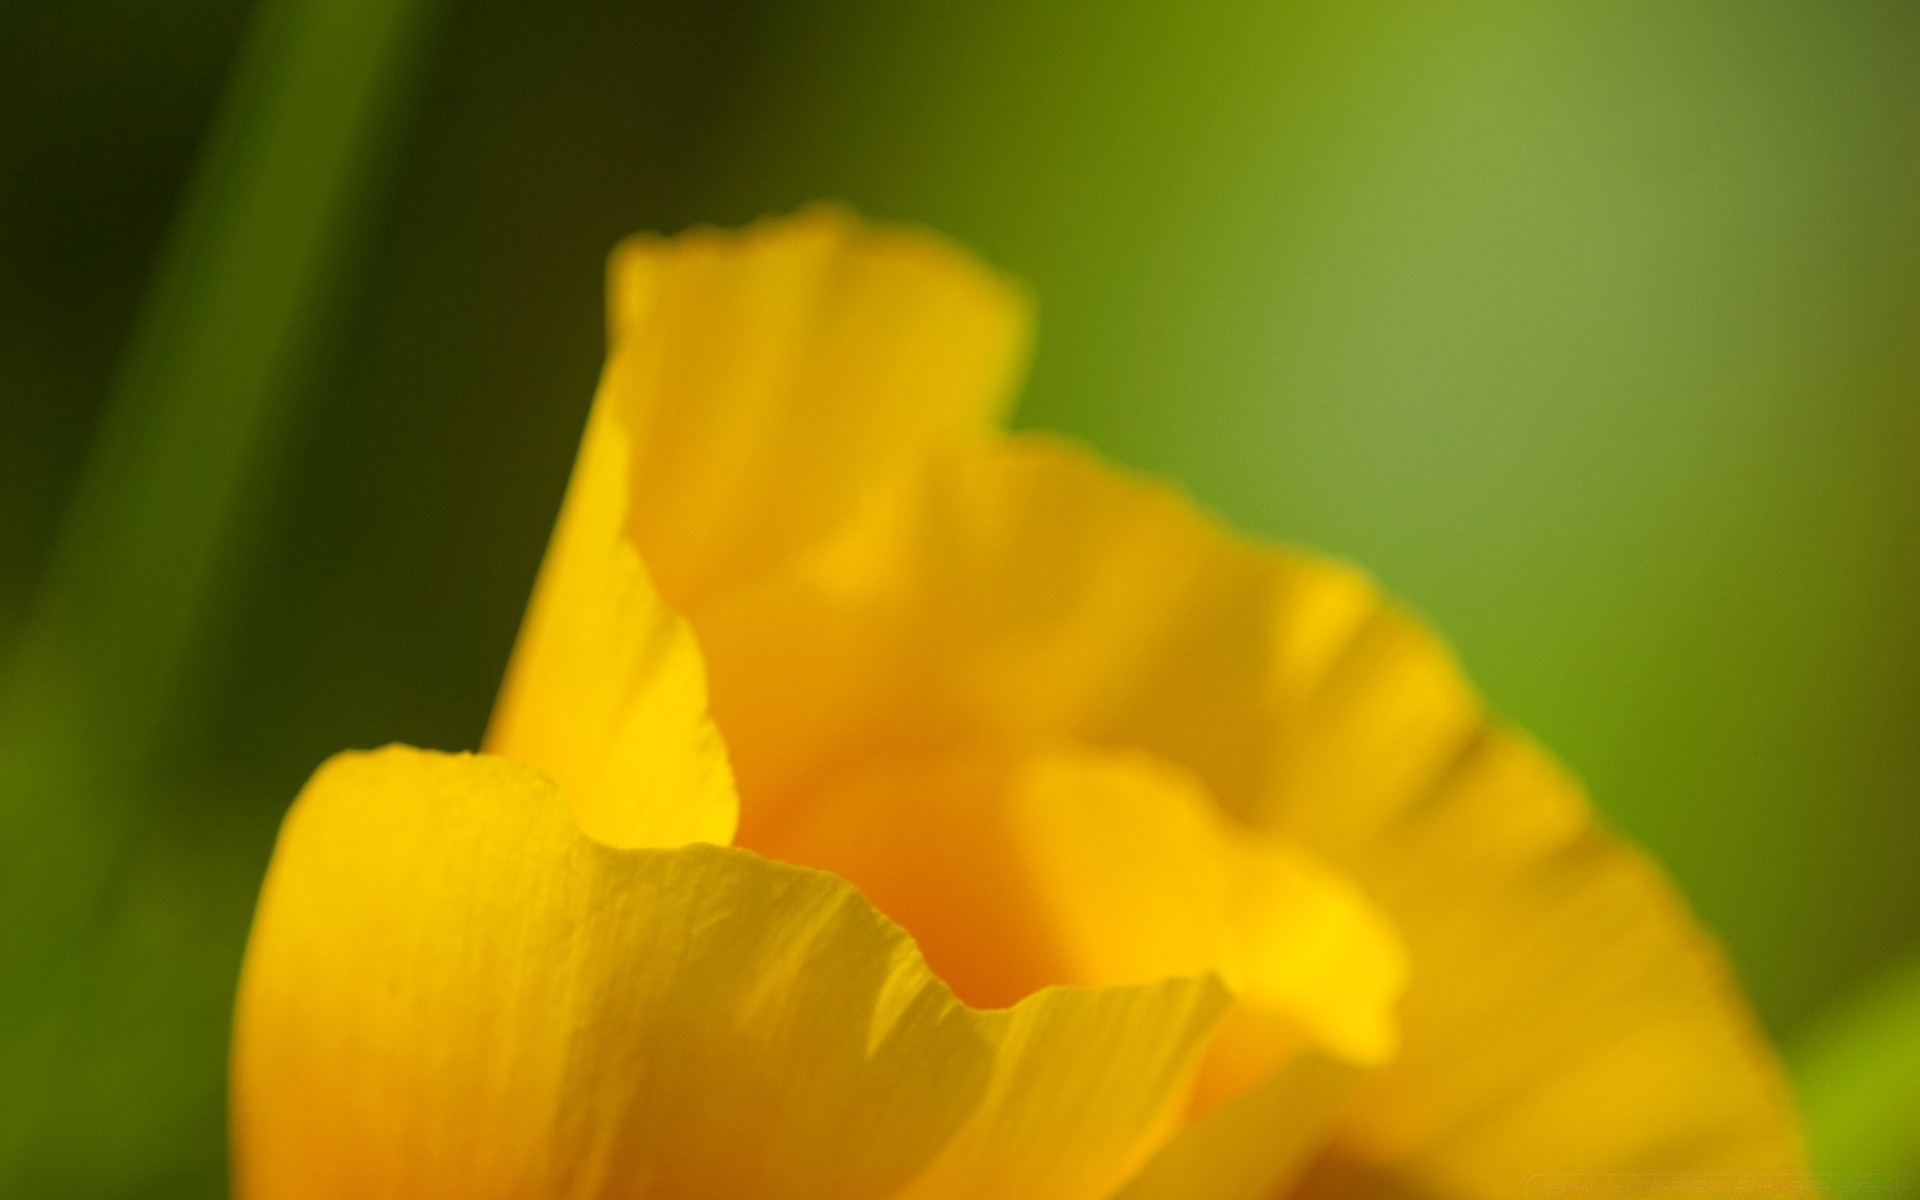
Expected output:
(1020, 595)
(451, 992)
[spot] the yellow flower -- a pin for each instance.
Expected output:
(1203, 872)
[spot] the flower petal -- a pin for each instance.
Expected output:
(450, 992)
(770, 378)
(1565, 1011)
(1577, 1019)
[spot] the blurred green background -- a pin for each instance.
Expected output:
(1593, 330)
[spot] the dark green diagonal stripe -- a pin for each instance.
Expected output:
(221, 341)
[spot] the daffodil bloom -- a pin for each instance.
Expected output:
(880, 805)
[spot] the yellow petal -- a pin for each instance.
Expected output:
(607, 692)
(770, 378)
(450, 992)
(1565, 1011)
(1575, 1018)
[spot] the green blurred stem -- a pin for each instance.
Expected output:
(215, 356)
(1859, 1077)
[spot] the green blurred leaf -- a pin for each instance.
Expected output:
(218, 353)
(1859, 1077)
